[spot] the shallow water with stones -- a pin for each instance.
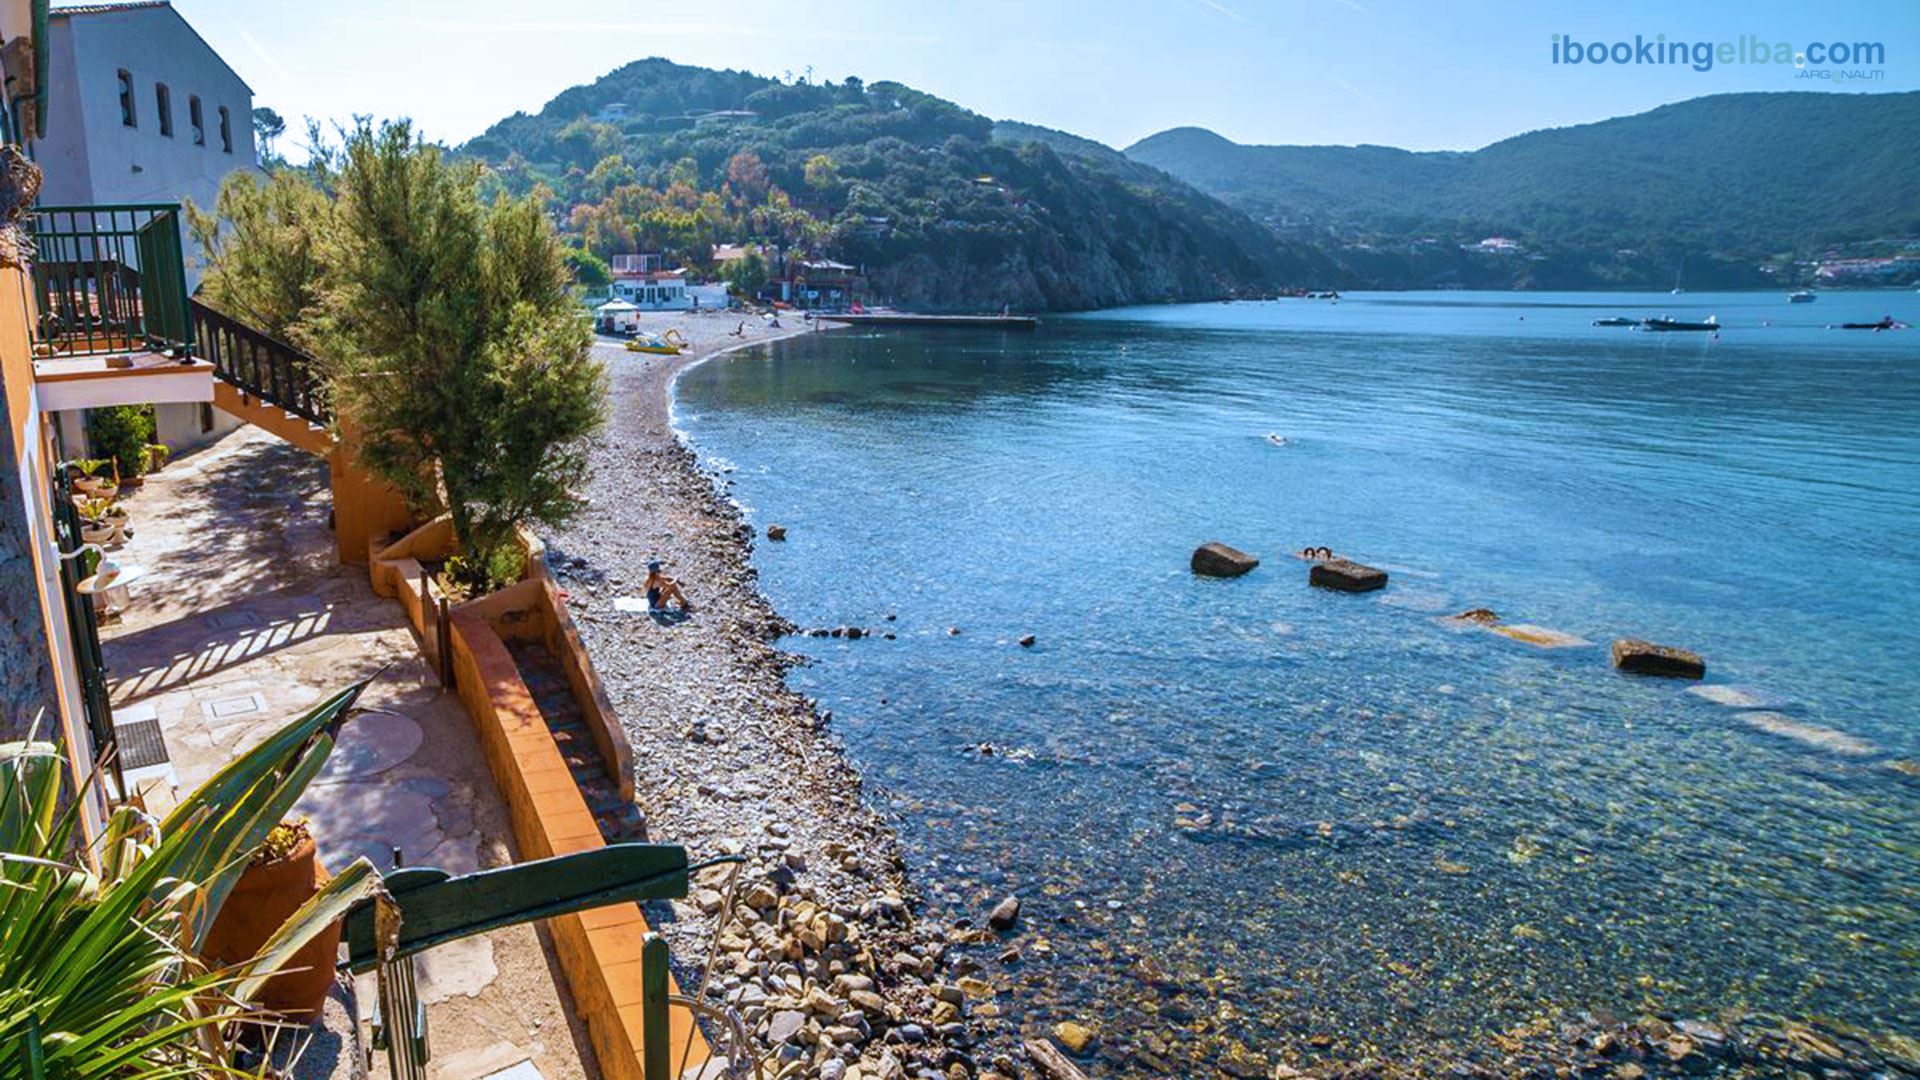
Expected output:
(1254, 812)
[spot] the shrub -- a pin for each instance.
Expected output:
(121, 433)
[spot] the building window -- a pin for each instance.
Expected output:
(163, 104)
(195, 120)
(126, 99)
(226, 130)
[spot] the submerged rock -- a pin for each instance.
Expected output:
(1646, 658)
(1005, 914)
(1215, 559)
(1346, 575)
(1540, 636)
(1075, 1037)
(1814, 735)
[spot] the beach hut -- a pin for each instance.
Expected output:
(616, 316)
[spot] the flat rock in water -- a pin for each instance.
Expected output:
(1540, 636)
(1820, 738)
(1215, 559)
(1733, 697)
(1346, 576)
(1646, 658)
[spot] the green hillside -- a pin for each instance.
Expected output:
(1717, 185)
(941, 210)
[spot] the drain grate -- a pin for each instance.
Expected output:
(140, 744)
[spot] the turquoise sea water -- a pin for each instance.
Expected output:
(1335, 815)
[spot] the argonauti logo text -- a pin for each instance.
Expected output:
(1703, 55)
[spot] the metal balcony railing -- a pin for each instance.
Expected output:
(110, 279)
(261, 364)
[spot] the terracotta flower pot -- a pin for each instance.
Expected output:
(260, 902)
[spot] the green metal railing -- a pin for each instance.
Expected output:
(110, 278)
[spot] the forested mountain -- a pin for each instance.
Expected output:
(1716, 186)
(940, 209)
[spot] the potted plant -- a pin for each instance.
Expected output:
(102, 520)
(284, 873)
(158, 455)
(90, 481)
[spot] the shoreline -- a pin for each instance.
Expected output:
(826, 960)
(1652, 1042)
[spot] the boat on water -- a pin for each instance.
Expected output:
(1801, 296)
(1668, 323)
(1885, 322)
(1616, 320)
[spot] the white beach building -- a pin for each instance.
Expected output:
(643, 281)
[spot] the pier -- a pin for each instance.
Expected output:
(901, 318)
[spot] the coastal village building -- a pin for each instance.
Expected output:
(817, 284)
(142, 110)
(643, 281)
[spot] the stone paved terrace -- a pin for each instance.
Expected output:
(243, 619)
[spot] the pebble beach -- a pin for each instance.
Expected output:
(824, 957)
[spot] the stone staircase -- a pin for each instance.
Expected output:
(619, 820)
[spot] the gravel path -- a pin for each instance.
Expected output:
(825, 959)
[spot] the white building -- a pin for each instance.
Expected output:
(642, 281)
(142, 110)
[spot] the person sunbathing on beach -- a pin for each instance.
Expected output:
(662, 590)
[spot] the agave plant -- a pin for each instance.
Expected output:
(99, 976)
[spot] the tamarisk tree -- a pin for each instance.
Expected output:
(453, 344)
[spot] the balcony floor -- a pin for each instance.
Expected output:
(242, 620)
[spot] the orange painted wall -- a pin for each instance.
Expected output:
(599, 950)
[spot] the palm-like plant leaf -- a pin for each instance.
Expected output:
(98, 973)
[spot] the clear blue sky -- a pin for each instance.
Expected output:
(1421, 74)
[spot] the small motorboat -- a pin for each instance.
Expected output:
(1886, 322)
(1801, 296)
(1616, 320)
(667, 344)
(1670, 324)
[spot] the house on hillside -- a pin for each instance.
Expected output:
(820, 284)
(142, 112)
